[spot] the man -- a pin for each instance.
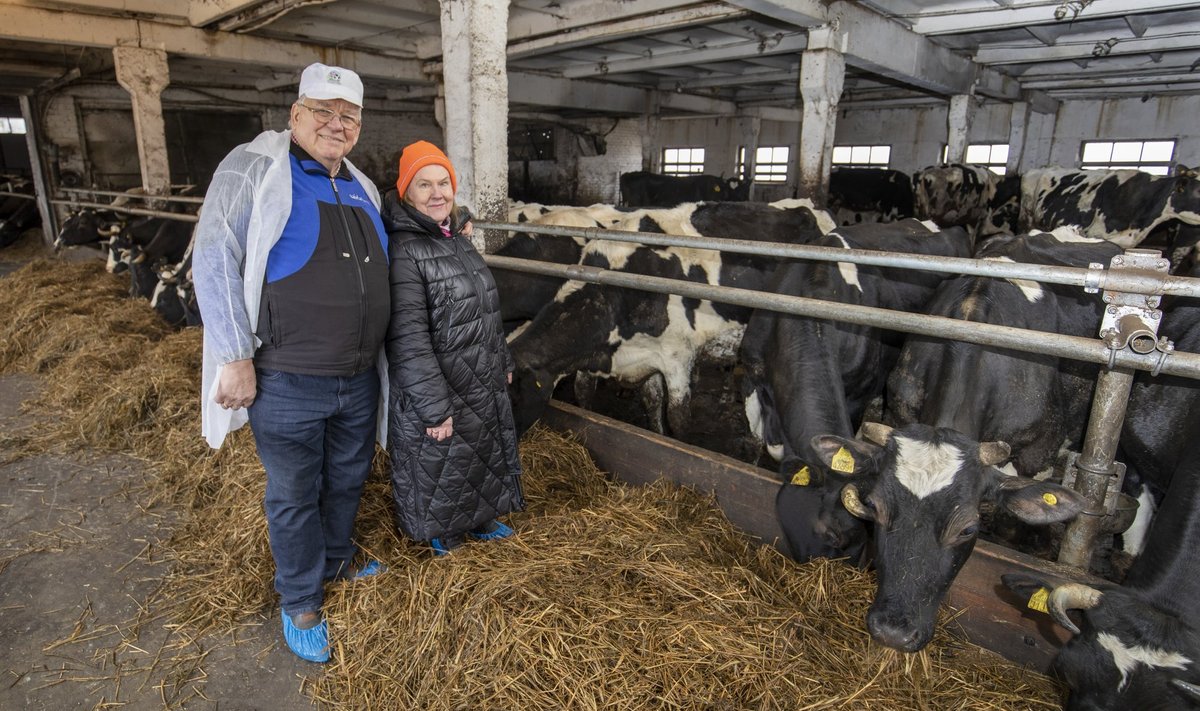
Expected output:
(291, 273)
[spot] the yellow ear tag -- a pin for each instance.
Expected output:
(802, 477)
(1037, 601)
(1050, 498)
(843, 461)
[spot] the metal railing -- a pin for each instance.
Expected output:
(181, 216)
(1132, 286)
(137, 196)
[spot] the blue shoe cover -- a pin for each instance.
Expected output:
(492, 531)
(311, 645)
(443, 546)
(373, 567)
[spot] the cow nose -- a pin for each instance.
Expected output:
(896, 634)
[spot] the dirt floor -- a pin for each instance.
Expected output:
(77, 560)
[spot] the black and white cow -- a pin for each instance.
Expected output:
(858, 195)
(1122, 206)
(88, 226)
(642, 189)
(523, 295)
(174, 297)
(1137, 646)
(144, 247)
(922, 488)
(970, 196)
(807, 376)
(1034, 402)
(17, 214)
(630, 335)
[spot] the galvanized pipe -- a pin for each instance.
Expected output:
(23, 196)
(1091, 350)
(1095, 464)
(138, 196)
(1132, 281)
(181, 216)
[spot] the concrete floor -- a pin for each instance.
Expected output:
(78, 557)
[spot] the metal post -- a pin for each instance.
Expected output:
(1095, 465)
(1130, 324)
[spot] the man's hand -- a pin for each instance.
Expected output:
(237, 384)
(441, 431)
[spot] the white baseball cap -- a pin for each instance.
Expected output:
(323, 82)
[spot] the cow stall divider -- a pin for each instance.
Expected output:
(125, 209)
(1132, 285)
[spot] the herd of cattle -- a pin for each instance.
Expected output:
(967, 426)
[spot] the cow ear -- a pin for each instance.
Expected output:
(992, 453)
(847, 457)
(1036, 502)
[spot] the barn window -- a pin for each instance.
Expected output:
(1149, 156)
(992, 155)
(531, 143)
(862, 155)
(683, 161)
(770, 163)
(12, 125)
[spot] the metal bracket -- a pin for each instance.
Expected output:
(1112, 489)
(1131, 320)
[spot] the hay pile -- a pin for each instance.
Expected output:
(611, 596)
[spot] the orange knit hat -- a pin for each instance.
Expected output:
(416, 156)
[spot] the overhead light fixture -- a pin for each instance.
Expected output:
(1074, 7)
(1102, 49)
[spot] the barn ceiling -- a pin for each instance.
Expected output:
(581, 57)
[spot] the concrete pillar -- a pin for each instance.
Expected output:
(41, 186)
(474, 71)
(143, 73)
(749, 128)
(1018, 130)
(822, 74)
(651, 127)
(958, 125)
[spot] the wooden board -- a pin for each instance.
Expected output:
(746, 494)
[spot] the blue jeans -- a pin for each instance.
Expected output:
(315, 435)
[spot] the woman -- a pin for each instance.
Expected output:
(455, 468)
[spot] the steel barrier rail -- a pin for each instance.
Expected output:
(1126, 281)
(1092, 350)
(23, 196)
(114, 193)
(181, 216)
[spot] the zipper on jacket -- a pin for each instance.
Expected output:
(362, 286)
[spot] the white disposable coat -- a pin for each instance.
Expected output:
(245, 210)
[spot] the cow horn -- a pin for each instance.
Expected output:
(1072, 596)
(992, 453)
(109, 231)
(876, 433)
(1190, 689)
(854, 504)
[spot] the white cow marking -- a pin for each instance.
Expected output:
(931, 225)
(1126, 658)
(754, 417)
(825, 221)
(925, 468)
(1031, 289)
(848, 270)
(1134, 538)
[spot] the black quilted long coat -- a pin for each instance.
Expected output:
(447, 356)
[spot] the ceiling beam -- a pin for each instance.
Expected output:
(35, 25)
(206, 12)
(622, 29)
(541, 90)
(525, 24)
(688, 57)
(975, 17)
(1079, 46)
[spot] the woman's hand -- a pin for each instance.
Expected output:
(442, 431)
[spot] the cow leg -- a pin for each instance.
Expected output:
(653, 391)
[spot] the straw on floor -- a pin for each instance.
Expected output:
(609, 597)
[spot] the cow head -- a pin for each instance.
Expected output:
(87, 226)
(814, 522)
(530, 393)
(922, 488)
(1125, 654)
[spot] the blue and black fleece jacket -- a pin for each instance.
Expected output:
(325, 303)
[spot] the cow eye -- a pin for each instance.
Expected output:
(969, 531)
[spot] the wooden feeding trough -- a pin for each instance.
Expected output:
(746, 494)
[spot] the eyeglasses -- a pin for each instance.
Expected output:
(324, 116)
